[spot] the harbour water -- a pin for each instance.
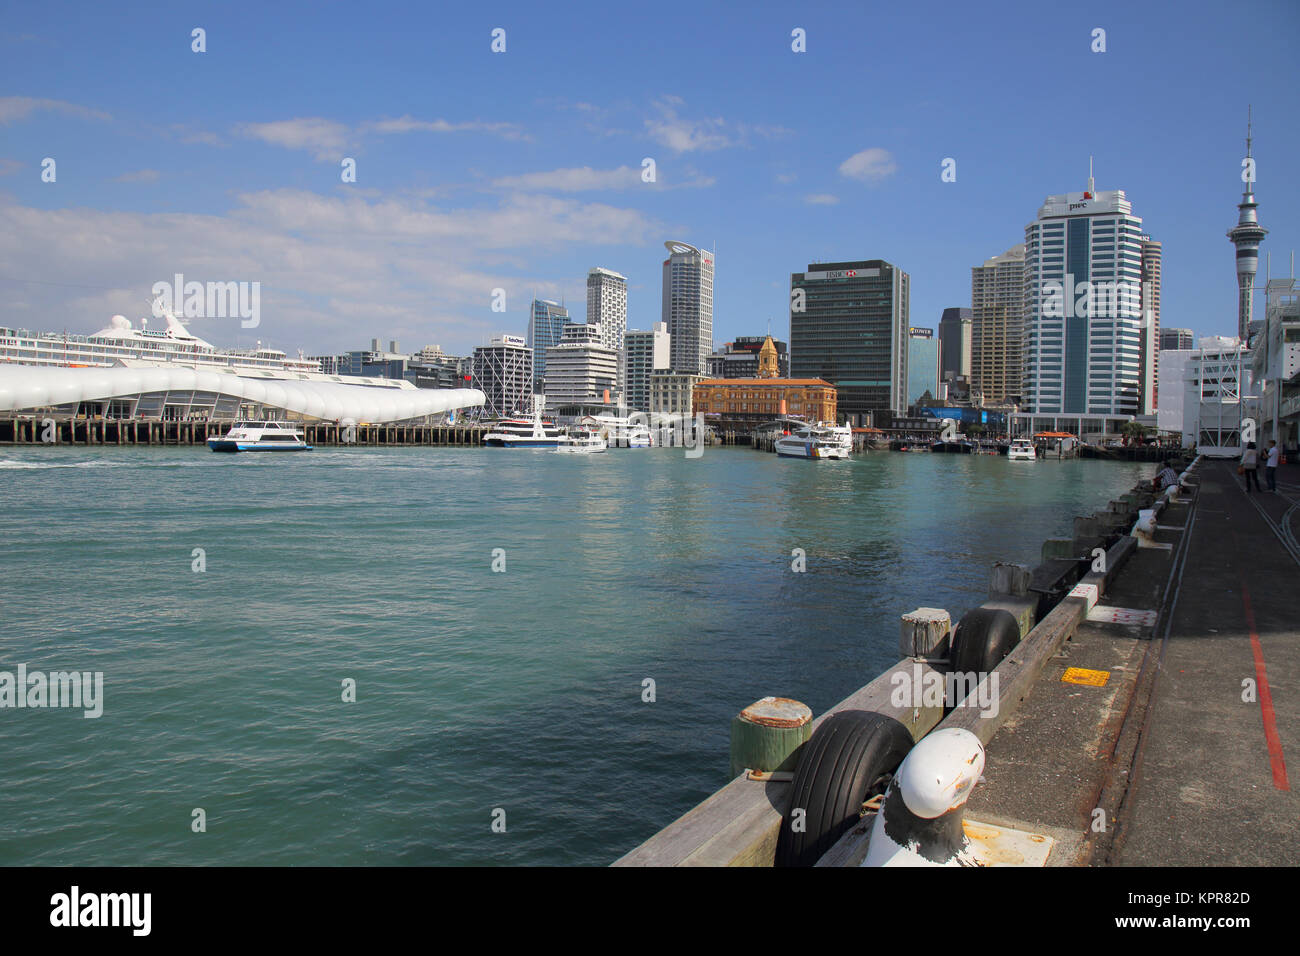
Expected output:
(476, 689)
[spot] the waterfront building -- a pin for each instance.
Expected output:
(739, 359)
(503, 371)
(179, 393)
(644, 353)
(1218, 393)
(581, 370)
(848, 326)
(672, 392)
(546, 323)
(1246, 237)
(955, 343)
(1275, 364)
(997, 326)
(922, 364)
(688, 305)
(1179, 339)
(742, 403)
(1083, 341)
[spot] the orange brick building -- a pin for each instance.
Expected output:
(761, 399)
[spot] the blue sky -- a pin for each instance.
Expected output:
(521, 170)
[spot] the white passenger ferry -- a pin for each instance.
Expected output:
(532, 432)
(260, 436)
(814, 441)
(620, 432)
(581, 442)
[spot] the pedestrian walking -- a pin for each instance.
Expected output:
(1248, 459)
(1270, 468)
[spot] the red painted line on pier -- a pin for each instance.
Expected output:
(1265, 699)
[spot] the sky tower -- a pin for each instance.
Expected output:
(1246, 236)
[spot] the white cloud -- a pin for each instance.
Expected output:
(821, 199)
(685, 135)
(336, 270)
(324, 138)
(579, 179)
(586, 179)
(870, 166)
(409, 124)
(13, 108)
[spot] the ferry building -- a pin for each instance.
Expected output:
(753, 401)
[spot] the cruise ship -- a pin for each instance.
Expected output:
(122, 372)
(121, 344)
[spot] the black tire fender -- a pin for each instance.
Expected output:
(850, 759)
(983, 637)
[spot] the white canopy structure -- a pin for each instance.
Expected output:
(318, 397)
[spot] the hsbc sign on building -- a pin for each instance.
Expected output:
(843, 274)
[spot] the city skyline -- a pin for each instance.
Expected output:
(227, 174)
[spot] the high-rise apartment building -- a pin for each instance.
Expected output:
(1177, 339)
(955, 343)
(546, 322)
(688, 305)
(997, 296)
(644, 353)
(848, 325)
(607, 305)
(1084, 345)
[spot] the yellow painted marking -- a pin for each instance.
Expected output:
(1081, 675)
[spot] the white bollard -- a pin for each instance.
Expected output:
(920, 819)
(1144, 529)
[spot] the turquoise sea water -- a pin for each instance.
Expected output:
(476, 690)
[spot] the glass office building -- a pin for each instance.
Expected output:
(849, 326)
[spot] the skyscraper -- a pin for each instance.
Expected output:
(1179, 339)
(848, 325)
(955, 343)
(922, 364)
(546, 322)
(1150, 322)
(503, 372)
(607, 305)
(997, 296)
(1246, 236)
(688, 305)
(1083, 307)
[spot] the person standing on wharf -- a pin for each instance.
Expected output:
(1270, 469)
